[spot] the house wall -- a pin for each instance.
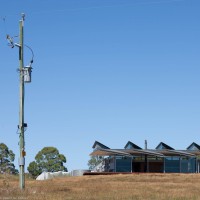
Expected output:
(172, 164)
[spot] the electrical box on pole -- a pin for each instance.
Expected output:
(27, 74)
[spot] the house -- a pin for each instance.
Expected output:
(162, 159)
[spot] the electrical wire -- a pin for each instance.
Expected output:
(31, 52)
(17, 132)
(11, 41)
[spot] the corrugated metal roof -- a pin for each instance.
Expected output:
(136, 152)
(144, 152)
(181, 153)
(109, 152)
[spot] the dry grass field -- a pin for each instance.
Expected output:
(132, 186)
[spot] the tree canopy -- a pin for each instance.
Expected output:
(7, 158)
(49, 160)
(94, 161)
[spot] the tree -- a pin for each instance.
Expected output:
(49, 160)
(94, 161)
(6, 160)
(34, 169)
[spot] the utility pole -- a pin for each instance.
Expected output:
(21, 104)
(24, 77)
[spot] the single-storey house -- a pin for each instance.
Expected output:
(162, 159)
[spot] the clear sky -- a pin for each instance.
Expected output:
(105, 70)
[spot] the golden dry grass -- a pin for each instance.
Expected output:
(108, 187)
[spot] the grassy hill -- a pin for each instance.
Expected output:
(133, 186)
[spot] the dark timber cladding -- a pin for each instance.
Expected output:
(135, 159)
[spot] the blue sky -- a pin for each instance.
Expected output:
(108, 70)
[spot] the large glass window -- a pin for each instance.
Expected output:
(180, 164)
(123, 164)
(172, 164)
(188, 165)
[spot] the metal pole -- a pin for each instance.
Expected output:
(115, 164)
(21, 105)
(163, 164)
(146, 158)
(131, 164)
